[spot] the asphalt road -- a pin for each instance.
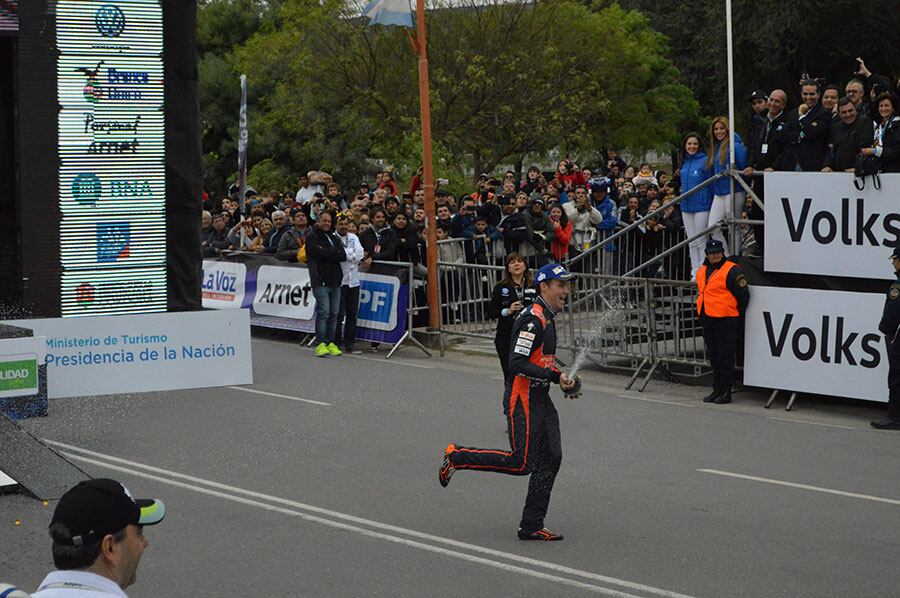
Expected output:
(275, 496)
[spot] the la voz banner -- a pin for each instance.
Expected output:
(822, 342)
(279, 295)
(819, 223)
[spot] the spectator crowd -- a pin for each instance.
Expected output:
(573, 210)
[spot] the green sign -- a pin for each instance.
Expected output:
(18, 375)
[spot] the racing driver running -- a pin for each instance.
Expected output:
(531, 418)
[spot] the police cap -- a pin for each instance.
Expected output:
(715, 246)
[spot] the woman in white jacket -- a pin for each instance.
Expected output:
(345, 332)
(584, 218)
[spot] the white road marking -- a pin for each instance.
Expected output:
(649, 400)
(394, 361)
(275, 394)
(802, 421)
(223, 488)
(890, 501)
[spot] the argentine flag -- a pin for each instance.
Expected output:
(389, 12)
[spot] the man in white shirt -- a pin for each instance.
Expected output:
(98, 539)
(346, 321)
(306, 191)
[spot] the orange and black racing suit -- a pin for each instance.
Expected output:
(531, 418)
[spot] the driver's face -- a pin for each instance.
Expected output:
(555, 293)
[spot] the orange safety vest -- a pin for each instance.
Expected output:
(719, 302)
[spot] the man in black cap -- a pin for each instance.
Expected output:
(97, 532)
(890, 327)
(722, 296)
(759, 102)
(531, 418)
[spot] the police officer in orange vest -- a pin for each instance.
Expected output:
(721, 299)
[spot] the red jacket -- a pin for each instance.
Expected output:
(568, 181)
(391, 186)
(559, 246)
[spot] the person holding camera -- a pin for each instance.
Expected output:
(584, 218)
(509, 297)
(568, 176)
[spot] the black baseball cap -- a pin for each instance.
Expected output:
(94, 508)
(715, 246)
(759, 95)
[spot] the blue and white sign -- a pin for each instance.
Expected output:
(223, 284)
(378, 297)
(146, 352)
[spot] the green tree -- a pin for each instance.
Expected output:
(506, 79)
(223, 26)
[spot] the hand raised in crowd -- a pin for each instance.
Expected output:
(862, 70)
(515, 307)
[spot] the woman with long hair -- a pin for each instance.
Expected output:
(509, 297)
(562, 233)
(695, 207)
(887, 134)
(716, 162)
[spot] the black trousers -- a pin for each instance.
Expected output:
(721, 336)
(535, 448)
(894, 380)
(501, 343)
(346, 330)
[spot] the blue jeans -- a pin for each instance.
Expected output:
(328, 303)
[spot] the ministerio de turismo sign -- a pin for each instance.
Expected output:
(822, 342)
(822, 224)
(139, 353)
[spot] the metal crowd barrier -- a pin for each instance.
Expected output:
(630, 324)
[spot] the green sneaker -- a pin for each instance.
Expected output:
(322, 350)
(333, 349)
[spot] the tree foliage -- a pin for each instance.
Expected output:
(507, 79)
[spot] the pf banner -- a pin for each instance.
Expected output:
(822, 342)
(819, 223)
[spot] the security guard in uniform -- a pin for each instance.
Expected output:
(721, 299)
(890, 327)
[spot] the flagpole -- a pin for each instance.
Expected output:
(242, 148)
(434, 321)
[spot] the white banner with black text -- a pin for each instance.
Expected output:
(822, 342)
(820, 223)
